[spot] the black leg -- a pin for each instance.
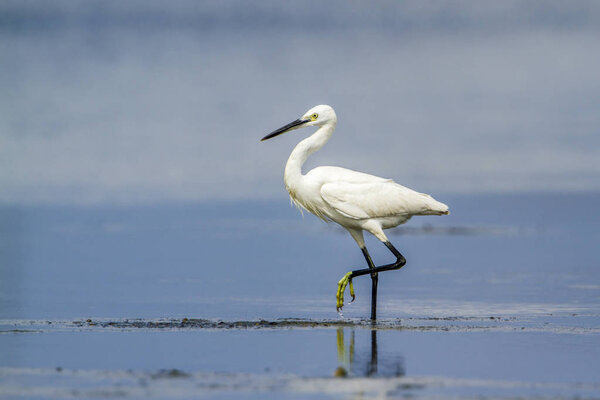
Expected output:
(374, 282)
(373, 270)
(400, 262)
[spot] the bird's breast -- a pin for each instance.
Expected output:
(307, 197)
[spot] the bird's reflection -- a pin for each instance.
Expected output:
(355, 363)
(372, 365)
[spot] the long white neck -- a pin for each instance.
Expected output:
(293, 169)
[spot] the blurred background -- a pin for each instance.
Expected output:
(106, 102)
(133, 182)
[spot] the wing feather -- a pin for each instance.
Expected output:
(379, 199)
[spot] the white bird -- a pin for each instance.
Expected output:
(355, 200)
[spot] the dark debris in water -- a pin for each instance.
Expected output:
(195, 323)
(412, 324)
(21, 331)
(173, 373)
(425, 323)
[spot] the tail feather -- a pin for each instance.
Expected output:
(434, 207)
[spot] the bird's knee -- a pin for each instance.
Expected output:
(400, 262)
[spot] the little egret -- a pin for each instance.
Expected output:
(355, 200)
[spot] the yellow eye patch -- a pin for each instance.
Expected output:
(314, 117)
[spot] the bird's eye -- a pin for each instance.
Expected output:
(314, 116)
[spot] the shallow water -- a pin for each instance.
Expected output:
(287, 358)
(237, 299)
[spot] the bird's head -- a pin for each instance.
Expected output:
(316, 116)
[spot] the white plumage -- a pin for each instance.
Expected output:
(355, 200)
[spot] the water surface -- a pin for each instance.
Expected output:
(499, 299)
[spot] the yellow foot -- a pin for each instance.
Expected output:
(341, 288)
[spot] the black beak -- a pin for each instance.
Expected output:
(285, 128)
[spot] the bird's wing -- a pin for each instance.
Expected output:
(376, 199)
